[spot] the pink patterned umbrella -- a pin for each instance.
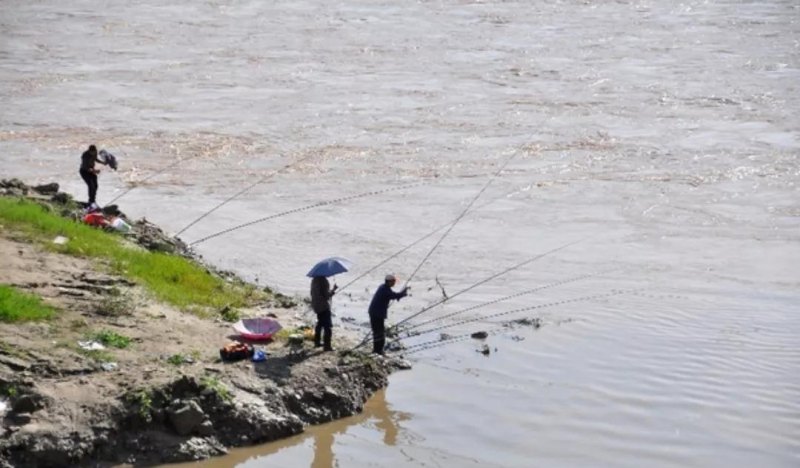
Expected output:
(261, 328)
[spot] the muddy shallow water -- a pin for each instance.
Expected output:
(662, 135)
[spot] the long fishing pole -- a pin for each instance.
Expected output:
(309, 207)
(460, 216)
(239, 193)
(409, 246)
(505, 298)
(486, 280)
(473, 286)
(516, 311)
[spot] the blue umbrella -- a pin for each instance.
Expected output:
(329, 267)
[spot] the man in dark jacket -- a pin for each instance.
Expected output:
(321, 295)
(88, 171)
(378, 309)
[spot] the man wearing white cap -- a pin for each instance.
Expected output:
(378, 310)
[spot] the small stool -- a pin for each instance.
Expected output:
(296, 342)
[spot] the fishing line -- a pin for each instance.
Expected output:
(159, 172)
(463, 213)
(309, 207)
(475, 285)
(495, 301)
(409, 246)
(436, 343)
(486, 280)
(516, 311)
(246, 189)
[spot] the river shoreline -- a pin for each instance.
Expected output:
(64, 409)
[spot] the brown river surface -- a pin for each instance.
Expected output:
(662, 135)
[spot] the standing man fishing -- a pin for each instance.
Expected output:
(378, 310)
(89, 173)
(321, 294)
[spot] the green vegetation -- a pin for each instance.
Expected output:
(170, 278)
(17, 306)
(284, 333)
(212, 383)
(9, 390)
(229, 314)
(176, 359)
(112, 339)
(143, 400)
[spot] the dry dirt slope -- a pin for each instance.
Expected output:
(63, 409)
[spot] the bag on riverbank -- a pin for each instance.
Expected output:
(235, 351)
(96, 219)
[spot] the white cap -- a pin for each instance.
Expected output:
(390, 277)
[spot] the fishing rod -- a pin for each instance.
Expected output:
(505, 298)
(486, 280)
(460, 216)
(516, 311)
(397, 326)
(409, 246)
(309, 207)
(244, 190)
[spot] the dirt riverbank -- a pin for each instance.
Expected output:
(165, 397)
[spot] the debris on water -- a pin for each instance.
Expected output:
(109, 366)
(485, 350)
(528, 322)
(400, 364)
(394, 346)
(479, 335)
(90, 346)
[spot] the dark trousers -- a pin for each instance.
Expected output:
(378, 334)
(91, 181)
(324, 325)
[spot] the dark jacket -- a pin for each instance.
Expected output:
(380, 301)
(321, 294)
(87, 160)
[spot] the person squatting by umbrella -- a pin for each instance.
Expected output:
(321, 295)
(378, 310)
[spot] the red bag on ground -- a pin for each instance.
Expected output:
(95, 219)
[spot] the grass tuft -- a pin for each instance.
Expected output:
(214, 384)
(112, 339)
(17, 306)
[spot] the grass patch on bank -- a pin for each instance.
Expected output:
(171, 278)
(112, 339)
(17, 306)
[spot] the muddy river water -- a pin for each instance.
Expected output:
(662, 135)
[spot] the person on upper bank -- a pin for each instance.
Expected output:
(378, 311)
(88, 171)
(321, 294)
